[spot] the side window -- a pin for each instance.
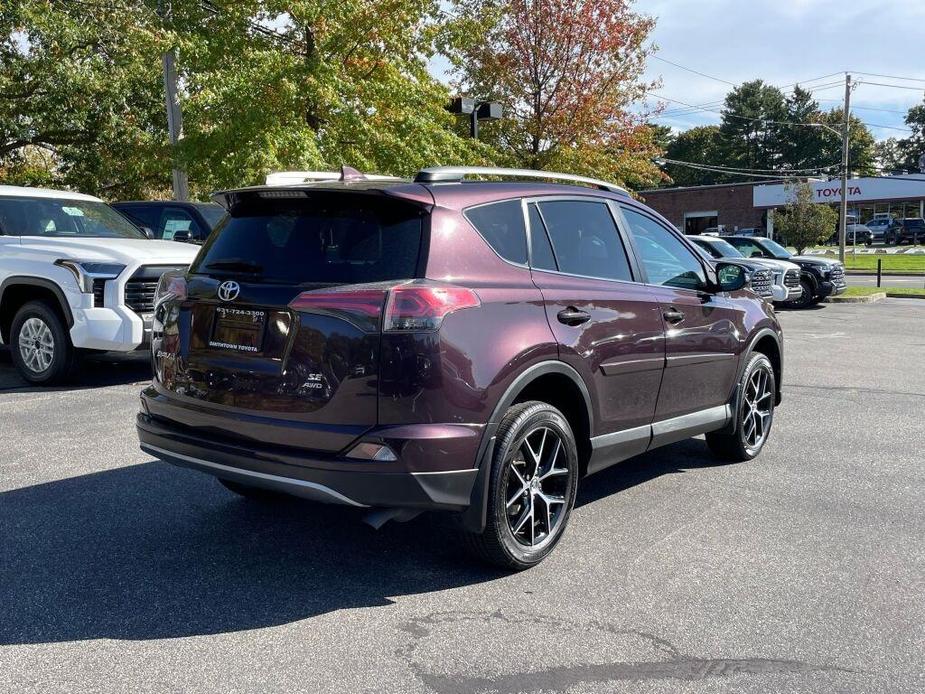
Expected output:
(665, 257)
(585, 239)
(176, 222)
(541, 250)
(501, 224)
(147, 216)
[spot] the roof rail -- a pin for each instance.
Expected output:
(455, 174)
(292, 178)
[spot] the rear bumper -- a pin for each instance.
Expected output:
(325, 479)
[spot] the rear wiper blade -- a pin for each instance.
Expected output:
(238, 264)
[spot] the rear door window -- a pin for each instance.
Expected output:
(501, 224)
(585, 239)
(323, 241)
(541, 257)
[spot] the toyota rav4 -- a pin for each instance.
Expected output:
(450, 344)
(75, 277)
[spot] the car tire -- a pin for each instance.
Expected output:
(532, 487)
(805, 299)
(755, 408)
(250, 492)
(40, 345)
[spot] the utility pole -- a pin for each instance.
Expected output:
(174, 116)
(843, 220)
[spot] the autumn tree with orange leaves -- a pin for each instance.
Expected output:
(569, 74)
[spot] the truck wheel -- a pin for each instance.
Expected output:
(40, 345)
(755, 413)
(805, 299)
(534, 480)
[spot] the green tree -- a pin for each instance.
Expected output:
(803, 223)
(890, 155)
(862, 155)
(567, 73)
(802, 147)
(750, 127)
(701, 145)
(912, 148)
(265, 85)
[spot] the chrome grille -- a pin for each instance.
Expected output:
(139, 295)
(792, 279)
(99, 291)
(762, 282)
(838, 274)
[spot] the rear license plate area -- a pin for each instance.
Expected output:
(239, 330)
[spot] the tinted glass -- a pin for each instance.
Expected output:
(775, 249)
(747, 247)
(585, 239)
(147, 216)
(665, 257)
(542, 258)
(324, 241)
(502, 225)
(61, 217)
(212, 213)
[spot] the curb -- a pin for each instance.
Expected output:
(869, 299)
(893, 295)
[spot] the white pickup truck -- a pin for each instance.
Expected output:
(75, 276)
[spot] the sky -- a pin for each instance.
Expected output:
(785, 42)
(789, 41)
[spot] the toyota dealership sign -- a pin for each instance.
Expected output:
(859, 190)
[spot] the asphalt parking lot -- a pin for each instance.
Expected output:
(803, 571)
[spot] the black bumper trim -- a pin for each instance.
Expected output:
(449, 491)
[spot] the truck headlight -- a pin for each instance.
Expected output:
(86, 271)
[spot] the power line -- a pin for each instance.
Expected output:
(696, 72)
(679, 112)
(728, 172)
(741, 169)
(895, 86)
(891, 77)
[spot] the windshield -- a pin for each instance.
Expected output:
(725, 249)
(775, 249)
(325, 241)
(60, 217)
(212, 213)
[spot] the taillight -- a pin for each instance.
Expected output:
(410, 307)
(362, 307)
(423, 307)
(171, 286)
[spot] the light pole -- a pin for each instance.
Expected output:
(476, 110)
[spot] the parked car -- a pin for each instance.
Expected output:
(401, 345)
(819, 277)
(785, 279)
(750, 231)
(170, 220)
(911, 230)
(854, 234)
(884, 230)
(75, 275)
(760, 279)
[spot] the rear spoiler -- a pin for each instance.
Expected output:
(346, 173)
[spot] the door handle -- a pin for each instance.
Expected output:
(673, 315)
(572, 316)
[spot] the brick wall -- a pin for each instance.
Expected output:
(732, 203)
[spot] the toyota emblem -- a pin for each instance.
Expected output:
(228, 291)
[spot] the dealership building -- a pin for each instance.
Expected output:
(751, 205)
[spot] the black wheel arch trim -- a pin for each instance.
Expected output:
(17, 280)
(474, 517)
(743, 362)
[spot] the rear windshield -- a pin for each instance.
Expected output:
(321, 241)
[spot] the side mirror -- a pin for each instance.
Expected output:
(731, 277)
(756, 254)
(181, 236)
(148, 231)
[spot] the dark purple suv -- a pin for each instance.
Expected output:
(450, 344)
